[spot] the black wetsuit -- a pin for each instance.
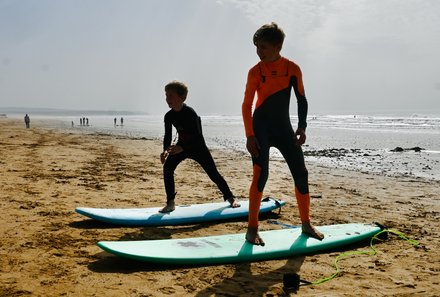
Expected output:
(189, 129)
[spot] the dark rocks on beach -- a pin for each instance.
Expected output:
(331, 153)
(400, 149)
(402, 162)
(338, 153)
(397, 149)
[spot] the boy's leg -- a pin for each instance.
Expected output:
(295, 159)
(259, 179)
(255, 196)
(303, 201)
(204, 158)
(168, 176)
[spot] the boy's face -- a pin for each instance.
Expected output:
(174, 100)
(268, 52)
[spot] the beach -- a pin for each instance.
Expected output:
(49, 250)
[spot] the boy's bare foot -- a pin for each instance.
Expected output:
(312, 231)
(233, 202)
(168, 208)
(253, 237)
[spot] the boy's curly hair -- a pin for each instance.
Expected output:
(269, 33)
(179, 87)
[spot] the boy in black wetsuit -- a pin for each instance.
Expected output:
(190, 144)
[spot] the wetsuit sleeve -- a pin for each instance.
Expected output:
(168, 133)
(302, 103)
(246, 107)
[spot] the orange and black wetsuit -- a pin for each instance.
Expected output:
(270, 124)
(189, 129)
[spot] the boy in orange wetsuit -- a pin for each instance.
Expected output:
(190, 144)
(273, 79)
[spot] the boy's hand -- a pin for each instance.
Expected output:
(175, 149)
(252, 146)
(163, 156)
(300, 135)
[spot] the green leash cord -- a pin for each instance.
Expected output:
(372, 252)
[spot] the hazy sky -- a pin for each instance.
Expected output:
(356, 56)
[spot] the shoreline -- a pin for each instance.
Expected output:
(409, 159)
(49, 250)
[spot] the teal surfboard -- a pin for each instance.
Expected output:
(183, 214)
(234, 248)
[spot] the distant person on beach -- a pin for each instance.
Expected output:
(122, 121)
(115, 121)
(80, 121)
(273, 79)
(27, 121)
(190, 144)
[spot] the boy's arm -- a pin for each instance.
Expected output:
(168, 133)
(302, 112)
(301, 100)
(246, 107)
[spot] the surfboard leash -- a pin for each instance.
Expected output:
(293, 280)
(372, 252)
(277, 203)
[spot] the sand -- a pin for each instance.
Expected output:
(47, 249)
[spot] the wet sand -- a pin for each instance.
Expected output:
(49, 250)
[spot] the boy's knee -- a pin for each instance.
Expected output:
(167, 171)
(303, 188)
(302, 184)
(262, 179)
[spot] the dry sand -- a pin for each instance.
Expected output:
(47, 249)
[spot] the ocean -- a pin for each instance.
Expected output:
(389, 145)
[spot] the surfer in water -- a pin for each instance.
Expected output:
(190, 144)
(273, 79)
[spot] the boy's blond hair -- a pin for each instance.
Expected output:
(179, 87)
(269, 33)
